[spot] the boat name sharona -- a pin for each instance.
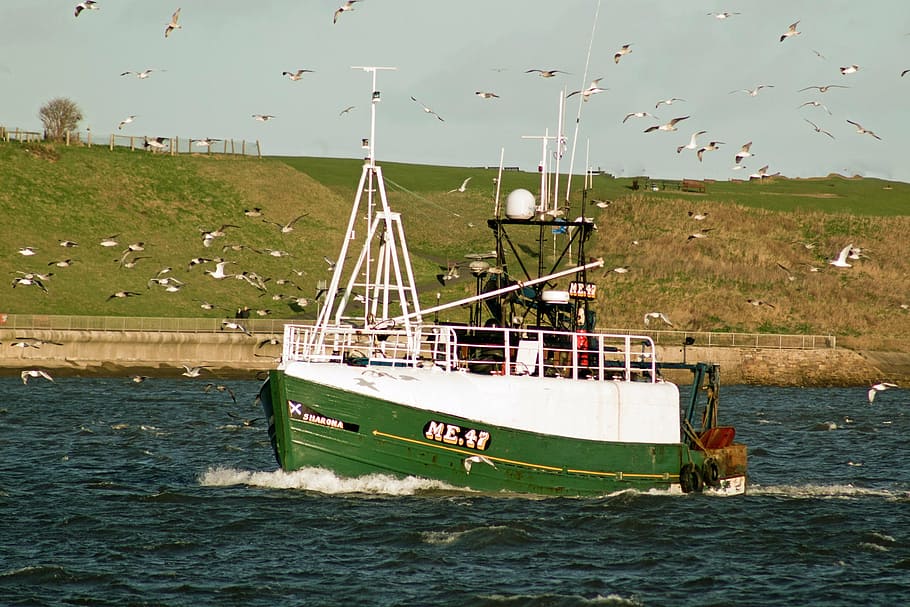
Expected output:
(304, 413)
(455, 435)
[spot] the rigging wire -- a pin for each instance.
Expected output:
(580, 101)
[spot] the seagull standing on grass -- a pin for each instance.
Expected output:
(880, 387)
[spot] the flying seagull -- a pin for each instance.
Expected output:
(486, 95)
(346, 110)
(193, 371)
(236, 326)
(692, 142)
(25, 375)
(850, 69)
(88, 4)
(722, 15)
(296, 75)
(462, 187)
(669, 101)
(593, 89)
(141, 75)
(427, 109)
(546, 73)
(287, 227)
(754, 91)
(638, 115)
(880, 387)
(791, 31)
(625, 50)
(841, 260)
(263, 117)
(816, 104)
(122, 295)
(708, 148)
(658, 316)
(125, 121)
(743, 152)
(863, 131)
(818, 129)
(670, 126)
(347, 6)
(173, 25)
(824, 88)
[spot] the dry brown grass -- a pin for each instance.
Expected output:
(704, 284)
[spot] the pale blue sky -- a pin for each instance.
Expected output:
(226, 63)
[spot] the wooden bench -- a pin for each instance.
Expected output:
(692, 185)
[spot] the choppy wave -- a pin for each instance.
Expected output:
(811, 491)
(322, 481)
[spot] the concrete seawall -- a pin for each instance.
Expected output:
(227, 354)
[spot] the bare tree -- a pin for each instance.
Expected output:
(59, 115)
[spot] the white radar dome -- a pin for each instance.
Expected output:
(520, 204)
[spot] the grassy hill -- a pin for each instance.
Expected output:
(49, 194)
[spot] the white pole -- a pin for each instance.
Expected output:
(580, 100)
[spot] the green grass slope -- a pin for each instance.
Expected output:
(49, 194)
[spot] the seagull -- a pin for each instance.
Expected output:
(904, 72)
(546, 73)
(219, 272)
(296, 75)
(841, 260)
(669, 101)
(220, 388)
(209, 235)
(33, 342)
(670, 126)
(698, 216)
(486, 95)
(427, 110)
(141, 75)
(28, 251)
(692, 143)
(206, 142)
(593, 89)
(29, 281)
(346, 110)
(125, 121)
(173, 25)
(759, 303)
(658, 316)
(722, 15)
(263, 117)
(816, 104)
(287, 227)
(138, 379)
(638, 115)
(476, 459)
(819, 55)
(625, 50)
(63, 263)
(791, 31)
(762, 173)
(462, 187)
(193, 371)
(347, 6)
(819, 129)
(696, 235)
(880, 387)
(863, 131)
(109, 241)
(254, 212)
(743, 152)
(753, 92)
(790, 275)
(850, 69)
(34, 373)
(155, 143)
(602, 204)
(88, 4)
(824, 88)
(122, 295)
(708, 148)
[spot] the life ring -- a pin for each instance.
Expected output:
(710, 472)
(690, 479)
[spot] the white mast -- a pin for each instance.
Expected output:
(385, 279)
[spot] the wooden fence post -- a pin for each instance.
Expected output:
(258, 150)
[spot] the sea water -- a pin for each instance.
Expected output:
(163, 493)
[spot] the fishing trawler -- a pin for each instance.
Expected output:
(525, 397)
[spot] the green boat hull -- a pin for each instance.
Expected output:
(351, 434)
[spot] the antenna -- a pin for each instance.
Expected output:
(374, 99)
(543, 166)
